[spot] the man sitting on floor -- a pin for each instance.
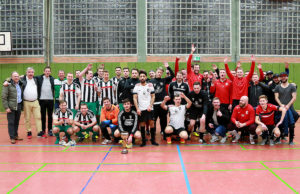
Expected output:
(177, 117)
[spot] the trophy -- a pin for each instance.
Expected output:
(124, 136)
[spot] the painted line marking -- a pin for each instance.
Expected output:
(243, 147)
(184, 171)
(94, 172)
(27, 178)
(278, 177)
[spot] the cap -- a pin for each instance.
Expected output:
(282, 74)
(269, 72)
(275, 75)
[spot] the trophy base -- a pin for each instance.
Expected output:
(124, 151)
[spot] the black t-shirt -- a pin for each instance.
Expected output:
(127, 121)
(199, 101)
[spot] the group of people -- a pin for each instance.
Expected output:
(218, 103)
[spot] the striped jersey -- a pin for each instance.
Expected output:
(59, 115)
(116, 80)
(57, 84)
(88, 92)
(70, 94)
(108, 90)
(97, 79)
(85, 119)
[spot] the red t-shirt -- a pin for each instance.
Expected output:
(267, 116)
(222, 90)
(191, 76)
(243, 115)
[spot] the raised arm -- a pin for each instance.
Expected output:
(249, 76)
(189, 62)
(169, 78)
(228, 72)
(82, 73)
(163, 104)
(261, 73)
(176, 65)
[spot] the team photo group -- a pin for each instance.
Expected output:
(217, 105)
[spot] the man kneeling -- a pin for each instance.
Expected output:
(63, 121)
(177, 117)
(86, 123)
(128, 120)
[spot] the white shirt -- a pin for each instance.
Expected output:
(144, 95)
(30, 92)
(177, 116)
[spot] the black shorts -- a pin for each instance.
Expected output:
(146, 116)
(195, 114)
(176, 131)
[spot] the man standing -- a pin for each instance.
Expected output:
(46, 93)
(57, 85)
(285, 95)
(178, 87)
(12, 103)
(159, 85)
(121, 92)
(31, 103)
(193, 76)
(117, 78)
(70, 92)
(144, 96)
(130, 84)
(107, 89)
(242, 119)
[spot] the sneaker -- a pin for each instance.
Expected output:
(72, 143)
(214, 138)
(236, 139)
(196, 134)
(63, 143)
(223, 140)
(12, 141)
(202, 141)
(50, 133)
(182, 141)
(169, 140)
(29, 135)
(291, 143)
(40, 134)
(271, 142)
(106, 141)
(263, 142)
(252, 142)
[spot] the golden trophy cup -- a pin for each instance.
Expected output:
(124, 136)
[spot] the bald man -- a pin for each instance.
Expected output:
(242, 119)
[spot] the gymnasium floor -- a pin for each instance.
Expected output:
(39, 166)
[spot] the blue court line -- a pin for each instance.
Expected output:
(184, 171)
(95, 170)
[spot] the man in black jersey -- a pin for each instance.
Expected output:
(121, 92)
(130, 83)
(128, 121)
(178, 87)
(198, 109)
(159, 85)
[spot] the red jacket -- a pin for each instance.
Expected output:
(191, 76)
(222, 90)
(240, 85)
(243, 115)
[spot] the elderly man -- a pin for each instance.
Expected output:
(242, 119)
(12, 103)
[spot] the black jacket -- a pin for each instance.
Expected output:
(24, 83)
(40, 80)
(254, 91)
(223, 120)
(129, 85)
(121, 95)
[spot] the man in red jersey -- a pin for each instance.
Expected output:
(240, 83)
(265, 119)
(222, 88)
(242, 119)
(193, 76)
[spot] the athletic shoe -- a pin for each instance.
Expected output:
(63, 143)
(18, 138)
(29, 135)
(12, 141)
(263, 142)
(271, 142)
(214, 138)
(252, 142)
(182, 141)
(196, 134)
(236, 139)
(40, 134)
(106, 141)
(202, 141)
(169, 140)
(154, 143)
(223, 140)
(50, 133)
(72, 143)
(291, 143)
